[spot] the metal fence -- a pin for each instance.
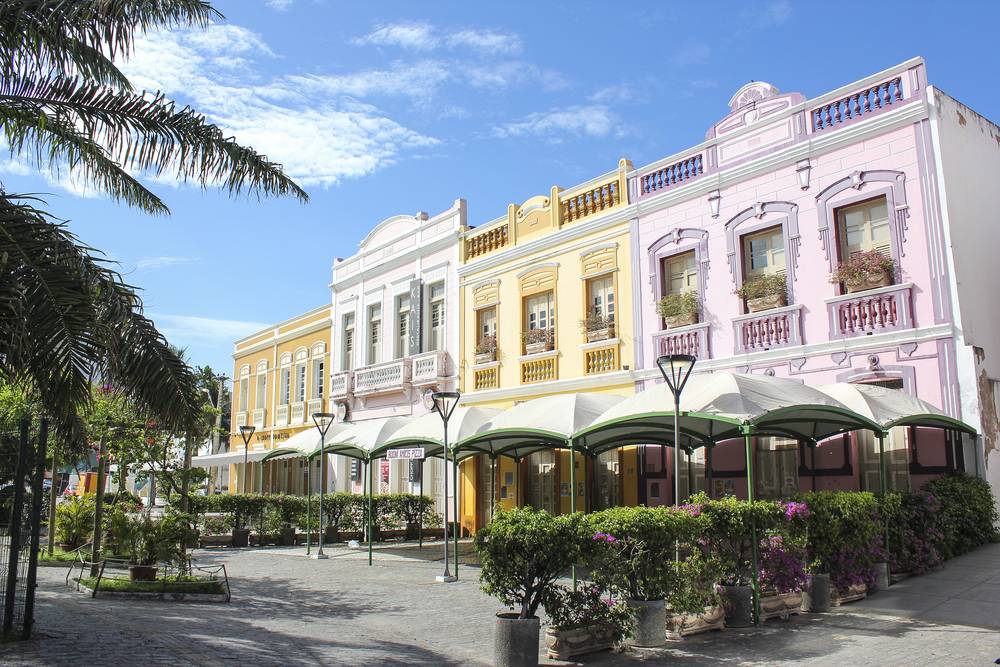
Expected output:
(22, 475)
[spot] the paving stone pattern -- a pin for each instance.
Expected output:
(288, 610)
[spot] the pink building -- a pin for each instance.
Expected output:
(786, 188)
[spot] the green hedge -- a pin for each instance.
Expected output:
(845, 536)
(968, 512)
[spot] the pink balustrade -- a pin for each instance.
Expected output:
(859, 104)
(678, 173)
(871, 312)
(757, 332)
(691, 340)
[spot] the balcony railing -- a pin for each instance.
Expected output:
(241, 419)
(539, 368)
(691, 339)
(429, 368)
(258, 417)
(603, 359)
(487, 241)
(681, 172)
(298, 412)
(382, 378)
(340, 384)
(281, 416)
(315, 405)
(871, 312)
(859, 104)
(769, 329)
(577, 205)
(487, 377)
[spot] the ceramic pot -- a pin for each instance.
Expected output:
(142, 572)
(650, 623)
(515, 641)
(816, 596)
(766, 302)
(682, 320)
(738, 601)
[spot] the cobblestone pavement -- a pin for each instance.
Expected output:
(288, 610)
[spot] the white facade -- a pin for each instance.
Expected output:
(395, 333)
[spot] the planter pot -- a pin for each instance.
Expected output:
(599, 334)
(869, 282)
(563, 644)
(486, 357)
(216, 541)
(412, 531)
(881, 577)
(682, 320)
(853, 593)
(286, 537)
(816, 596)
(332, 535)
(66, 546)
(780, 605)
(766, 302)
(683, 625)
(650, 623)
(515, 641)
(241, 537)
(896, 577)
(142, 572)
(738, 601)
(535, 348)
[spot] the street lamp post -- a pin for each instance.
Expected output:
(246, 432)
(323, 421)
(444, 404)
(676, 369)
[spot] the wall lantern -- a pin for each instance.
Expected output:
(802, 168)
(714, 198)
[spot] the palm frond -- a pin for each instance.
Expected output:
(50, 143)
(149, 133)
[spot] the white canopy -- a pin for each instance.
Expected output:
(892, 407)
(718, 406)
(306, 442)
(539, 424)
(359, 439)
(227, 458)
(427, 431)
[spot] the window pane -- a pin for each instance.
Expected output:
(244, 393)
(261, 391)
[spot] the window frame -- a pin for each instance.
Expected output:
(401, 340)
(434, 345)
(373, 339)
(260, 389)
(347, 350)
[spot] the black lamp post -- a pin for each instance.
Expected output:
(323, 421)
(676, 369)
(444, 404)
(246, 432)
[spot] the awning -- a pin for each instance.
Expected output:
(720, 406)
(539, 424)
(227, 458)
(360, 439)
(305, 442)
(892, 407)
(427, 431)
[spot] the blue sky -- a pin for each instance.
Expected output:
(386, 108)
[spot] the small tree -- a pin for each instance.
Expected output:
(523, 552)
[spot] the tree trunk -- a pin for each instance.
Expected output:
(185, 482)
(122, 476)
(98, 509)
(53, 496)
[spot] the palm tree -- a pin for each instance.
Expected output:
(67, 318)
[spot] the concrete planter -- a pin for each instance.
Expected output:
(536, 348)
(650, 623)
(684, 625)
(412, 531)
(515, 641)
(881, 577)
(863, 283)
(600, 334)
(816, 596)
(682, 320)
(563, 644)
(241, 537)
(142, 572)
(286, 538)
(767, 302)
(215, 541)
(853, 593)
(486, 357)
(780, 605)
(738, 602)
(332, 535)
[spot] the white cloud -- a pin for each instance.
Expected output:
(421, 36)
(163, 262)
(415, 79)
(312, 125)
(593, 120)
(691, 54)
(778, 11)
(59, 176)
(183, 330)
(280, 5)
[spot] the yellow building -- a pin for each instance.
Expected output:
(546, 307)
(279, 380)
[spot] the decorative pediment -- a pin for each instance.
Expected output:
(285, 359)
(598, 260)
(485, 293)
(538, 279)
(536, 214)
(319, 349)
(261, 366)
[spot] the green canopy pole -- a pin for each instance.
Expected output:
(690, 462)
(586, 483)
(371, 493)
(420, 526)
(309, 487)
(572, 493)
(755, 574)
(708, 469)
(493, 484)
(881, 464)
(454, 485)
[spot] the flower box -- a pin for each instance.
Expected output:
(870, 281)
(682, 320)
(563, 644)
(780, 605)
(535, 348)
(853, 593)
(684, 625)
(599, 334)
(486, 357)
(768, 302)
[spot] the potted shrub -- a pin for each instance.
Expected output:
(537, 340)
(597, 326)
(694, 605)
(486, 350)
(412, 511)
(764, 292)
(74, 522)
(782, 577)
(584, 621)
(153, 541)
(633, 552)
(340, 515)
(678, 309)
(865, 270)
(523, 552)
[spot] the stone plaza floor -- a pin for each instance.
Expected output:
(288, 610)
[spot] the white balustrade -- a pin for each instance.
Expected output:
(258, 418)
(429, 368)
(382, 378)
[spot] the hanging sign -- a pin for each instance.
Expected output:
(412, 453)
